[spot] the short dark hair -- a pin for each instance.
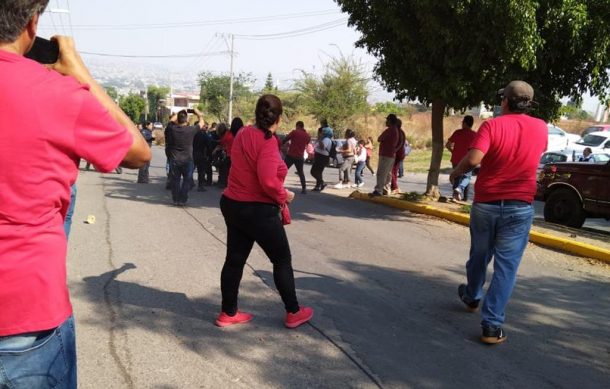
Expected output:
(236, 125)
(300, 124)
(349, 133)
(268, 112)
(392, 119)
(323, 123)
(183, 117)
(468, 120)
(221, 128)
(519, 104)
(15, 16)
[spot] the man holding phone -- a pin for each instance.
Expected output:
(37, 168)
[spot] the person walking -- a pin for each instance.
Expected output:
(251, 206)
(146, 131)
(360, 163)
(37, 170)
(399, 157)
(299, 139)
(388, 141)
(348, 151)
(458, 144)
(502, 211)
(321, 157)
(180, 152)
(370, 146)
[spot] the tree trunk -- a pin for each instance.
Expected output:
(438, 111)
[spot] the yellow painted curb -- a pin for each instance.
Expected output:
(566, 245)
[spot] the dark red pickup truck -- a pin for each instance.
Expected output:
(574, 191)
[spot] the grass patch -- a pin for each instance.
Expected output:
(466, 208)
(419, 161)
(414, 196)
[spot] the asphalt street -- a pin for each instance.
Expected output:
(145, 281)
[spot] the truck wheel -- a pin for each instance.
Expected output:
(564, 207)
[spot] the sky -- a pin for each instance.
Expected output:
(262, 41)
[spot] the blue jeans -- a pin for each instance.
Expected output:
(70, 212)
(462, 182)
(45, 359)
(359, 168)
(181, 175)
(500, 231)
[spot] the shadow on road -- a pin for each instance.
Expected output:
(408, 328)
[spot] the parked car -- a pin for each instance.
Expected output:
(566, 156)
(598, 142)
(574, 191)
(558, 139)
(596, 128)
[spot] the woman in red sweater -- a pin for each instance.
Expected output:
(252, 208)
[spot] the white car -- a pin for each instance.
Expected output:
(598, 142)
(559, 139)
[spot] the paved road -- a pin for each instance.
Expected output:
(145, 286)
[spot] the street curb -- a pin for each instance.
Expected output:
(543, 239)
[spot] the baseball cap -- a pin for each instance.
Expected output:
(518, 90)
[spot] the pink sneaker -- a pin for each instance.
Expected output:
(225, 320)
(293, 320)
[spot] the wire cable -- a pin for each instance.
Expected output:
(192, 55)
(295, 33)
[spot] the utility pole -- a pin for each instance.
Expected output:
(231, 81)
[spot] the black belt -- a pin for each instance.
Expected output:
(506, 202)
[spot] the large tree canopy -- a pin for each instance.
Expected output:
(215, 92)
(457, 53)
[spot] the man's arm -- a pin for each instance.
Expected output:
(71, 64)
(469, 162)
(449, 145)
(199, 115)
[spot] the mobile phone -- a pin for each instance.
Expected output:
(44, 51)
(190, 110)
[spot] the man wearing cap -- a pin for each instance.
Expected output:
(508, 149)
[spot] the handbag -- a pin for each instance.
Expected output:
(285, 214)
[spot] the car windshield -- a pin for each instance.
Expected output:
(553, 158)
(555, 131)
(591, 140)
(591, 129)
(601, 157)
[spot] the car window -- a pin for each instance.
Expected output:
(555, 131)
(591, 140)
(553, 158)
(591, 129)
(601, 157)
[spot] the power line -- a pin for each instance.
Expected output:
(295, 33)
(192, 55)
(211, 22)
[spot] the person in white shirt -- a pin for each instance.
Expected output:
(360, 163)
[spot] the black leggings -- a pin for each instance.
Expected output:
(249, 222)
(368, 164)
(319, 163)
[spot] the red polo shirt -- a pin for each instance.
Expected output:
(512, 145)
(257, 170)
(48, 121)
(299, 139)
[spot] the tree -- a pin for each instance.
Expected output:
(432, 52)
(269, 87)
(155, 94)
(214, 93)
(133, 105)
(338, 94)
(112, 92)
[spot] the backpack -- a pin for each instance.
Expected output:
(332, 153)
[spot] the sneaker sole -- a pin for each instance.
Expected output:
(298, 323)
(227, 324)
(492, 339)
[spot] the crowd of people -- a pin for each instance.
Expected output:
(36, 320)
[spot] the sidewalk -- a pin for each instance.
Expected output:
(593, 241)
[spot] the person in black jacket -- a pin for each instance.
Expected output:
(146, 132)
(200, 151)
(168, 141)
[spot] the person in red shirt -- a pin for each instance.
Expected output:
(255, 209)
(508, 149)
(399, 158)
(459, 143)
(38, 165)
(299, 139)
(388, 141)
